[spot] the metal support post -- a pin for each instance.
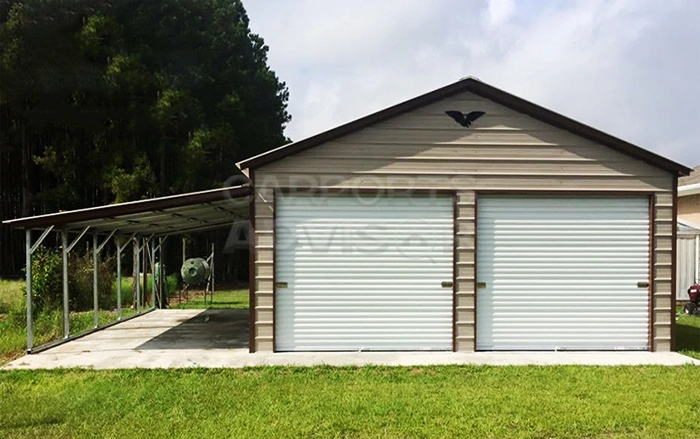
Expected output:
(137, 264)
(211, 299)
(161, 281)
(64, 248)
(96, 249)
(120, 249)
(144, 269)
(30, 319)
(153, 274)
(119, 281)
(30, 249)
(95, 300)
(184, 254)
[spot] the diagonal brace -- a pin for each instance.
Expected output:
(75, 241)
(40, 240)
(160, 243)
(128, 241)
(101, 246)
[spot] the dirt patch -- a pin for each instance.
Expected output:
(179, 298)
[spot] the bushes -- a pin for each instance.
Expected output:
(80, 281)
(47, 280)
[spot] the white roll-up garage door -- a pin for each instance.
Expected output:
(562, 273)
(363, 273)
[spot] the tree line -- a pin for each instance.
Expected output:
(112, 101)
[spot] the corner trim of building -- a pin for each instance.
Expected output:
(652, 263)
(251, 266)
(674, 237)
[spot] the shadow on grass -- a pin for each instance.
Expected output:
(688, 335)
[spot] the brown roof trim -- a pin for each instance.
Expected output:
(488, 92)
(112, 210)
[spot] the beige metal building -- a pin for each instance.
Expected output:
(688, 243)
(689, 197)
(406, 230)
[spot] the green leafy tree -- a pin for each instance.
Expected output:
(110, 101)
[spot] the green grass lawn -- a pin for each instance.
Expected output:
(368, 402)
(229, 299)
(11, 293)
(48, 325)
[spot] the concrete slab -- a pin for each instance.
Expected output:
(218, 338)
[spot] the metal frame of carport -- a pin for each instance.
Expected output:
(140, 222)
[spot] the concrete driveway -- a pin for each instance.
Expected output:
(219, 338)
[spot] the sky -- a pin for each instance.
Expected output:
(630, 68)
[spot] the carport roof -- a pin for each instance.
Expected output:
(171, 215)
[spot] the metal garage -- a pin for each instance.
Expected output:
(463, 219)
(364, 273)
(561, 236)
(558, 273)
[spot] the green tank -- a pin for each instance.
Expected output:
(195, 271)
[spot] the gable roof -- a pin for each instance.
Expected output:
(486, 91)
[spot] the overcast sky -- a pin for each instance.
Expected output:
(628, 67)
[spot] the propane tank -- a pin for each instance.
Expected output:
(195, 271)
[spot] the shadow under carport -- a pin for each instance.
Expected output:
(212, 329)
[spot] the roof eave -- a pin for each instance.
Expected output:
(61, 218)
(689, 189)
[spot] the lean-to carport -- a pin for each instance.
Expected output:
(138, 223)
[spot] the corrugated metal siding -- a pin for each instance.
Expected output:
(562, 273)
(425, 149)
(686, 269)
(363, 273)
(502, 150)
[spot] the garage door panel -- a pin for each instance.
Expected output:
(562, 273)
(364, 274)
